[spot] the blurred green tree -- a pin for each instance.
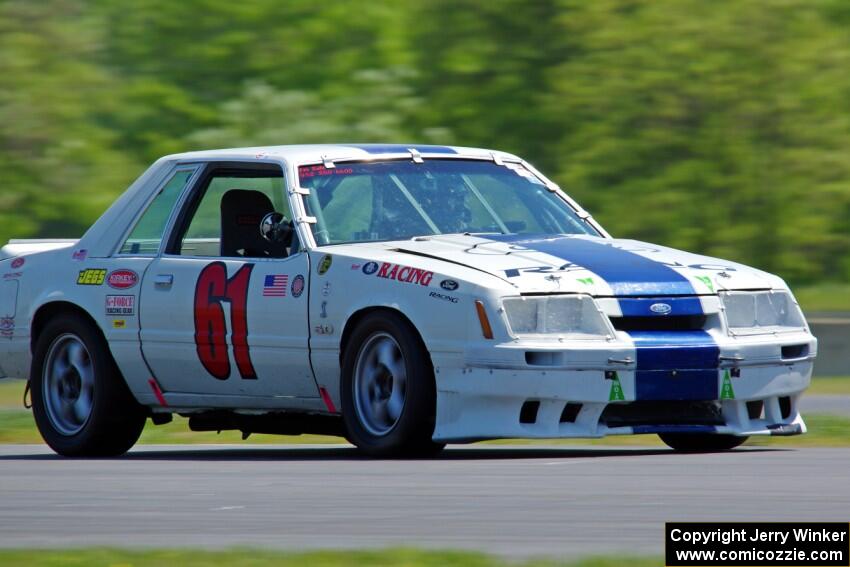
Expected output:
(721, 127)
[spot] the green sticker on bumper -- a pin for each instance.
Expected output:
(726, 391)
(616, 394)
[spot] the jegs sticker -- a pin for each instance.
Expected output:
(91, 276)
(121, 305)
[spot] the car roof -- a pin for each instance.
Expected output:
(317, 152)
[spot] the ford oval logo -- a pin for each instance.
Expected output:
(660, 308)
(449, 285)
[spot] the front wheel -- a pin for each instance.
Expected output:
(81, 405)
(701, 442)
(388, 392)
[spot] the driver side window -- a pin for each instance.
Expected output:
(226, 216)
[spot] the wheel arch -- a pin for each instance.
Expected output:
(356, 317)
(51, 309)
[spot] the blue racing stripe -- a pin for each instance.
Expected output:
(692, 354)
(627, 273)
(400, 148)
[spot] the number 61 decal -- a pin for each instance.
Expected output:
(214, 288)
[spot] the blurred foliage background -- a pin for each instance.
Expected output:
(720, 127)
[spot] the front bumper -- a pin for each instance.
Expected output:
(501, 395)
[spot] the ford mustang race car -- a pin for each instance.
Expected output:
(401, 296)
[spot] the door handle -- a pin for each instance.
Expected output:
(163, 280)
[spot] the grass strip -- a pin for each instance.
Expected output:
(17, 426)
(257, 558)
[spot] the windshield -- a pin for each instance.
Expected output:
(361, 202)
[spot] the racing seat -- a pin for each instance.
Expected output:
(241, 213)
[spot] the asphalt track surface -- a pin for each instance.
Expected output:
(512, 501)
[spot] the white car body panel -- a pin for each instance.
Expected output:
(295, 342)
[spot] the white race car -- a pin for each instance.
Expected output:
(402, 296)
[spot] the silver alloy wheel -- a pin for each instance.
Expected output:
(380, 384)
(68, 384)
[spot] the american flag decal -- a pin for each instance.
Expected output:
(275, 285)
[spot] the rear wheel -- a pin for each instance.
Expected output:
(81, 405)
(700, 442)
(388, 391)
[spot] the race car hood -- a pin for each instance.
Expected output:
(586, 264)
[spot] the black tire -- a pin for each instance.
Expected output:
(411, 431)
(701, 442)
(113, 420)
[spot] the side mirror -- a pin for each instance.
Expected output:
(275, 228)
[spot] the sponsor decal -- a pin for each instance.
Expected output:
(324, 312)
(516, 272)
(274, 285)
(119, 323)
(121, 305)
(12, 275)
(726, 391)
(80, 255)
(7, 327)
(356, 266)
(17, 263)
(212, 290)
(297, 285)
(324, 329)
(325, 264)
(307, 171)
(449, 285)
(122, 279)
(326, 289)
(707, 281)
(443, 296)
(660, 308)
(91, 276)
(616, 394)
(370, 268)
(401, 273)
(585, 281)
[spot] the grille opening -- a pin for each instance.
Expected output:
(528, 412)
(662, 413)
(795, 351)
(785, 407)
(542, 358)
(660, 323)
(755, 410)
(570, 413)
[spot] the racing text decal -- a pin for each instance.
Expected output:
(214, 288)
(399, 273)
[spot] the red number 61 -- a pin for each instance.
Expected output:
(212, 289)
